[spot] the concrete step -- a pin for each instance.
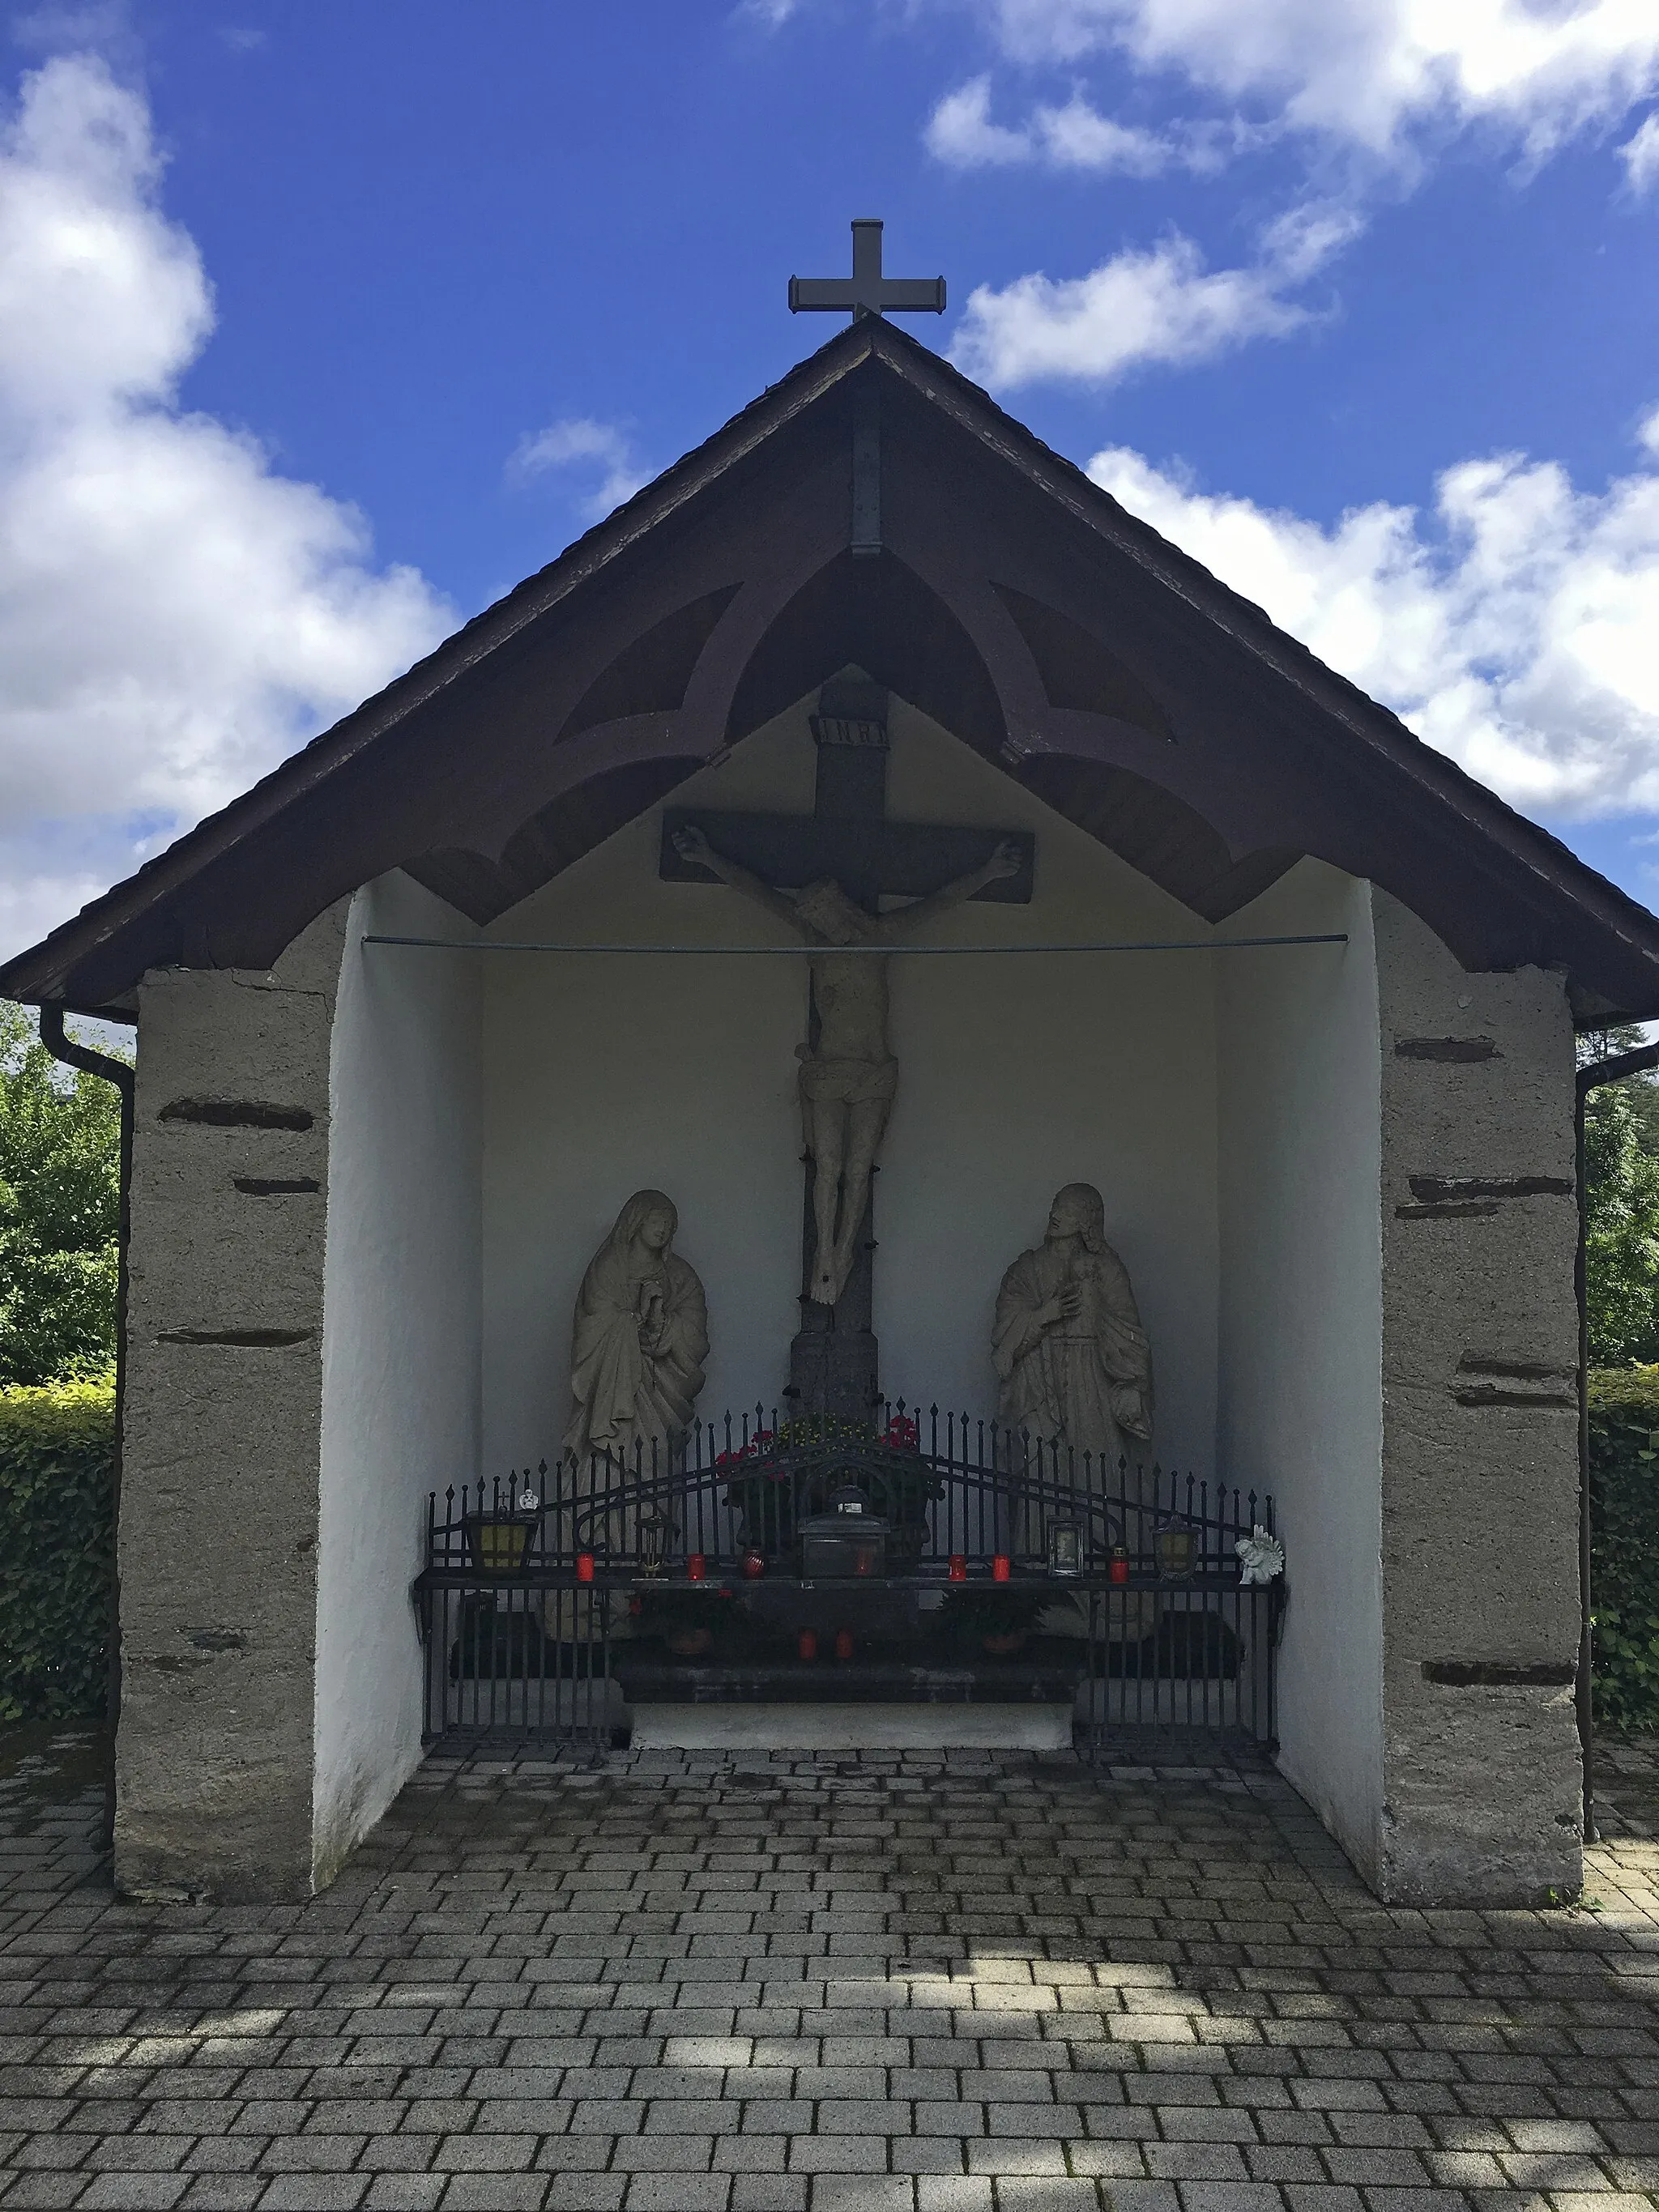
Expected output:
(823, 1727)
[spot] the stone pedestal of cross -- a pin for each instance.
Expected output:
(834, 1365)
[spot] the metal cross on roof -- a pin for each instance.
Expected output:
(867, 292)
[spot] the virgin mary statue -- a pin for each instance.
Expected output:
(1071, 1358)
(638, 1342)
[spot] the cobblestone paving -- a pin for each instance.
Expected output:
(899, 1983)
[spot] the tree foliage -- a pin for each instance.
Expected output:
(1621, 1210)
(59, 1211)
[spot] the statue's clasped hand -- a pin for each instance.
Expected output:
(693, 847)
(1006, 861)
(651, 1318)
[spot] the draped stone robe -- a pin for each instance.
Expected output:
(639, 1338)
(1085, 1385)
(625, 1394)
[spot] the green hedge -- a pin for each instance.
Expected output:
(56, 1548)
(1624, 1425)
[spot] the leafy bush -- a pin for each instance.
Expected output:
(1624, 1426)
(1621, 1225)
(60, 1203)
(675, 1609)
(968, 1616)
(56, 1548)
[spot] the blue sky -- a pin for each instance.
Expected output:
(321, 325)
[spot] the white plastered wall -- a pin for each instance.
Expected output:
(603, 1075)
(1301, 1316)
(401, 1337)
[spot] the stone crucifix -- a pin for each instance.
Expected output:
(839, 862)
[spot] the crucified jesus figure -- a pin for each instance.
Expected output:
(848, 1078)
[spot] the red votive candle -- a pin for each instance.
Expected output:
(1002, 1568)
(807, 1643)
(694, 1568)
(843, 1643)
(584, 1566)
(958, 1566)
(753, 1565)
(1120, 1566)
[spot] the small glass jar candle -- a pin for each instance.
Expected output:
(753, 1564)
(696, 1568)
(1120, 1565)
(1002, 1568)
(807, 1643)
(958, 1566)
(584, 1566)
(843, 1643)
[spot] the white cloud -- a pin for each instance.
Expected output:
(579, 443)
(1143, 306)
(1303, 239)
(961, 134)
(45, 879)
(1368, 71)
(174, 615)
(1640, 155)
(1516, 630)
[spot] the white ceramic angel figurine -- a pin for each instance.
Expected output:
(1260, 1557)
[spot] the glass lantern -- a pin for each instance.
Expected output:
(846, 1543)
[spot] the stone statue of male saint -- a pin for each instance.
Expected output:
(848, 1079)
(1070, 1355)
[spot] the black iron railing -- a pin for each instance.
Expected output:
(529, 1577)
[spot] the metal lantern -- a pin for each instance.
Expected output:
(500, 1543)
(654, 1530)
(846, 1543)
(1176, 1551)
(1065, 1547)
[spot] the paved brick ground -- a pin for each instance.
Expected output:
(972, 1982)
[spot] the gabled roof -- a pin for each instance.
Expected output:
(1010, 599)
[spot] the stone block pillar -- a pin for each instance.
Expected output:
(1482, 1780)
(219, 1515)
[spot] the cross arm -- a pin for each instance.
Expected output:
(845, 295)
(902, 860)
(1006, 863)
(913, 296)
(832, 294)
(690, 842)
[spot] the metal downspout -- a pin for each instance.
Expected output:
(1599, 1072)
(64, 1047)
